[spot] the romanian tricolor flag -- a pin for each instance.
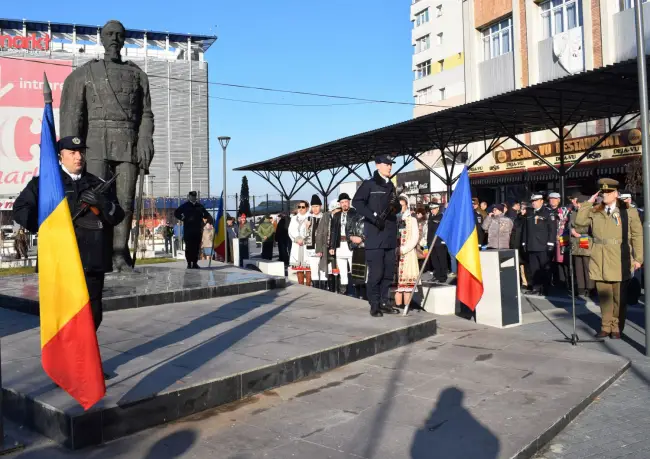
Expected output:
(458, 230)
(220, 235)
(70, 353)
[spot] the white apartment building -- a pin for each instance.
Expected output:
(511, 44)
(438, 58)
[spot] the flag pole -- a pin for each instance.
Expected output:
(417, 281)
(214, 234)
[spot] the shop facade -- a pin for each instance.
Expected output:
(515, 173)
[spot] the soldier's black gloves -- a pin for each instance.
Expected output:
(93, 199)
(550, 248)
(380, 223)
(90, 197)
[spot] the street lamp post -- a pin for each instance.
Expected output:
(643, 106)
(179, 166)
(224, 141)
(153, 225)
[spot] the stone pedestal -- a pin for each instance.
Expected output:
(439, 298)
(500, 305)
(272, 268)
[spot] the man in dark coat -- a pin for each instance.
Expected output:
(338, 242)
(282, 238)
(192, 213)
(168, 235)
(91, 227)
(438, 257)
(376, 200)
(513, 210)
(538, 241)
(107, 102)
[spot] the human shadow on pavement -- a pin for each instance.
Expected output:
(451, 432)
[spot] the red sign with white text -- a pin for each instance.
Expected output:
(21, 112)
(6, 204)
(31, 42)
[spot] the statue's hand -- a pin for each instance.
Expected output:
(145, 152)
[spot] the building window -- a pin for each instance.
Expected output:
(422, 17)
(439, 38)
(627, 4)
(424, 96)
(438, 11)
(441, 65)
(497, 39)
(422, 44)
(560, 15)
(442, 93)
(422, 70)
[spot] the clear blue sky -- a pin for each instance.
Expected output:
(357, 48)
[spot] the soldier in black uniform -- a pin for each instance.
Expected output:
(192, 213)
(91, 227)
(376, 200)
(438, 257)
(538, 241)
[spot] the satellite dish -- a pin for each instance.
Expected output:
(567, 50)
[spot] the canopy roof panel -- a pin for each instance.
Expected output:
(597, 94)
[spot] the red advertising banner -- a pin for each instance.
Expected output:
(21, 110)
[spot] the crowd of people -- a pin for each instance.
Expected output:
(598, 237)
(374, 247)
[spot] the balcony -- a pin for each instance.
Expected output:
(496, 75)
(625, 33)
(561, 55)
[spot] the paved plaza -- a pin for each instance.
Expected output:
(468, 391)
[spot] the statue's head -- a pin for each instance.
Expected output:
(113, 35)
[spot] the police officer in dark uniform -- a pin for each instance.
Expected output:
(538, 241)
(91, 227)
(192, 213)
(438, 257)
(376, 200)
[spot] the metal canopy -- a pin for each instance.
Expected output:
(606, 92)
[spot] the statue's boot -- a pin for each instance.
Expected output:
(122, 262)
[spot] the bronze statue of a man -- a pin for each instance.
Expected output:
(107, 102)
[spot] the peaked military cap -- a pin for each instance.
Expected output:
(608, 184)
(384, 159)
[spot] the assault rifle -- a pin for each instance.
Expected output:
(393, 207)
(99, 189)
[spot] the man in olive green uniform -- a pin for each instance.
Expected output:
(616, 252)
(265, 231)
(244, 233)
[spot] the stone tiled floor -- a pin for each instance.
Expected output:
(615, 425)
(469, 392)
(169, 347)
